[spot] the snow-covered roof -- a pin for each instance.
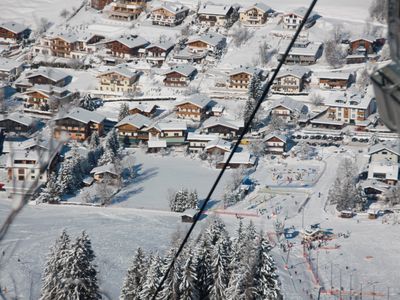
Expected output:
(327, 121)
(349, 100)
(122, 70)
(215, 121)
(164, 45)
(213, 9)
(212, 39)
(247, 70)
(137, 120)
(366, 37)
(165, 125)
(240, 158)
(146, 108)
(83, 115)
(198, 100)
(309, 49)
(131, 41)
(282, 137)
(69, 37)
(296, 71)
(219, 143)
(190, 212)
(378, 185)
(174, 8)
(192, 136)
(333, 75)
(301, 12)
(390, 169)
(185, 70)
(8, 64)
(157, 144)
(259, 5)
(393, 147)
(13, 27)
(290, 104)
(50, 73)
(18, 117)
(108, 168)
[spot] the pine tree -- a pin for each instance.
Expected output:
(220, 269)
(135, 277)
(123, 111)
(112, 141)
(51, 192)
(204, 280)
(188, 287)
(51, 281)
(248, 109)
(238, 246)
(94, 140)
(79, 275)
(255, 87)
(171, 289)
(108, 157)
(153, 278)
(267, 282)
(193, 200)
(66, 177)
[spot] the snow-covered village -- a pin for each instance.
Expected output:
(199, 149)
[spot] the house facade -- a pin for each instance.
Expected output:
(334, 80)
(180, 76)
(78, 125)
(350, 108)
(174, 133)
(99, 4)
(197, 142)
(10, 69)
(293, 19)
(255, 15)
(362, 46)
(288, 109)
(48, 76)
(169, 14)
(127, 10)
(119, 79)
(222, 127)
(18, 123)
(194, 108)
(39, 97)
(13, 32)
(275, 143)
(291, 80)
(214, 15)
(127, 47)
(302, 53)
(209, 43)
(240, 78)
(384, 162)
(133, 129)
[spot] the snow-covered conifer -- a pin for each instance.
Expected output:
(188, 287)
(51, 192)
(171, 290)
(123, 111)
(153, 278)
(135, 277)
(94, 140)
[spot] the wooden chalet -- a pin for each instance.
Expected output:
(228, 129)
(127, 10)
(291, 80)
(127, 46)
(255, 15)
(106, 172)
(239, 160)
(17, 123)
(240, 78)
(288, 109)
(293, 19)
(156, 53)
(362, 45)
(169, 14)
(334, 80)
(218, 147)
(189, 215)
(10, 69)
(73, 45)
(39, 97)
(99, 4)
(180, 76)
(174, 133)
(45, 75)
(119, 79)
(149, 110)
(197, 142)
(13, 32)
(78, 124)
(275, 143)
(209, 43)
(194, 108)
(132, 129)
(214, 15)
(302, 53)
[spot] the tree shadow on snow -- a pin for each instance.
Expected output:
(144, 175)
(126, 195)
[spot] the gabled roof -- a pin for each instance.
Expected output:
(259, 5)
(8, 64)
(334, 75)
(243, 157)
(213, 9)
(50, 73)
(109, 168)
(164, 45)
(213, 39)
(147, 108)
(13, 27)
(247, 70)
(131, 42)
(282, 137)
(46, 143)
(174, 8)
(301, 12)
(122, 70)
(198, 100)
(309, 49)
(137, 120)
(192, 136)
(69, 37)
(368, 38)
(165, 125)
(18, 117)
(393, 147)
(215, 121)
(349, 100)
(290, 104)
(219, 143)
(83, 115)
(296, 71)
(185, 70)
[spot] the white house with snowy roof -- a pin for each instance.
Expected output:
(210, 43)
(256, 14)
(193, 108)
(223, 127)
(302, 52)
(293, 18)
(169, 14)
(120, 79)
(291, 80)
(214, 14)
(384, 162)
(287, 108)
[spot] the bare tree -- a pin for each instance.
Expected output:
(316, 99)
(241, 35)
(378, 10)
(334, 54)
(64, 13)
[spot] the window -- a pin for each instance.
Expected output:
(21, 171)
(21, 178)
(176, 134)
(32, 171)
(384, 152)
